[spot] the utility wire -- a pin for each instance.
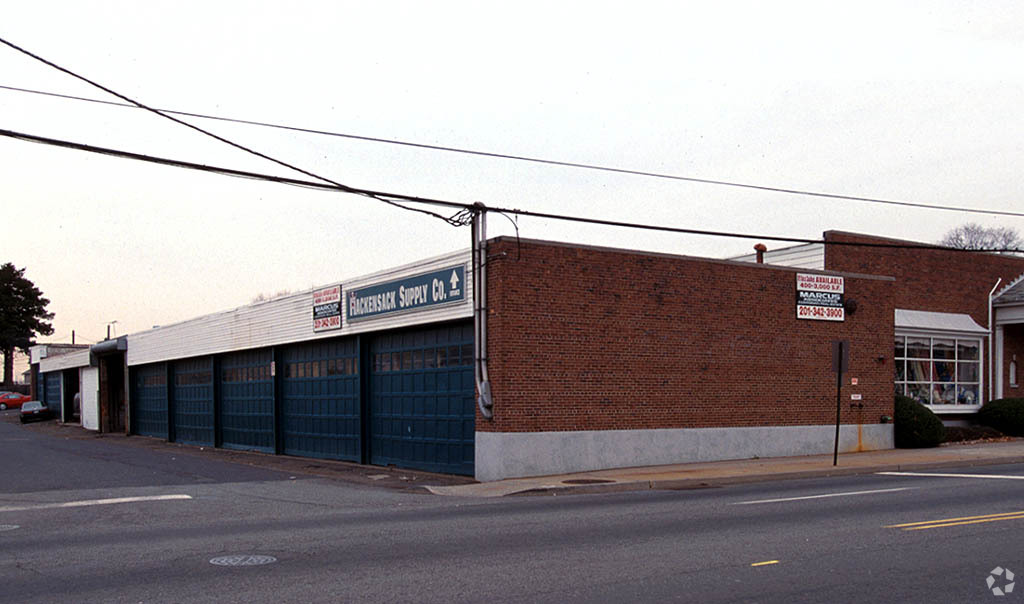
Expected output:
(226, 171)
(537, 160)
(215, 136)
(463, 207)
(667, 229)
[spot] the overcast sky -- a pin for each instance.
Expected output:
(919, 102)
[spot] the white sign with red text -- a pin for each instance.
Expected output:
(327, 309)
(820, 297)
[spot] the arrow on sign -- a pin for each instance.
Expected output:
(455, 280)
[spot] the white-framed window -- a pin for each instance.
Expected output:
(939, 370)
(1013, 374)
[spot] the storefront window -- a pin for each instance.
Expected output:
(918, 371)
(967, 395)
(938, 371)
(943, 349)
(918, 348)
(967, 350)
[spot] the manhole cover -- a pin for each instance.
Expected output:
(243, 560)
(586, 481)
(8, 527)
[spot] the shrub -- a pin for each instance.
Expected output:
(915, 425)
(1005, 415)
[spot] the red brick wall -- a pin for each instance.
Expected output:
(598, 339)
(1013, 344)
(932, 280)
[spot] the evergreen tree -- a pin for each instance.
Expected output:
(22, 316)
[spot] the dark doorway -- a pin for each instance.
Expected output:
(112, 392)
(72, 404)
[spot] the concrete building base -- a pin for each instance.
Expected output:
(501, 455)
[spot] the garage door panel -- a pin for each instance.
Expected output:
(247, 401)
(417, 389)
(149, 400)
(193, 401)
(320, 406)
(52, 391)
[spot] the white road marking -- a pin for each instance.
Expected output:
(847, 494)
(88, 502)
(1003, 476)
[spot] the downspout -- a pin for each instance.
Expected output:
(991, 358)
(479, 252)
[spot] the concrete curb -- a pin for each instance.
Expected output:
(551, 487)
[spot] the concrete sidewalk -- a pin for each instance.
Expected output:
(698, 475)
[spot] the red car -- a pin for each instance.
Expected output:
(10, 400)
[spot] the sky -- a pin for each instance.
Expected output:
(911, 101)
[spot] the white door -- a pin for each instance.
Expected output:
(90, 385)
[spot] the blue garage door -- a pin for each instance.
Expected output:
(149, 401)
(193, 401)
(247, 401)
(320, 406)
(52, 391)
(422, 399)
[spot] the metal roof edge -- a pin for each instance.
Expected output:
(305, 292)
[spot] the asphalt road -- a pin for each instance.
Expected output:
(830, 539)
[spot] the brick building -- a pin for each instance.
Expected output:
(959, 318)
(604, 358)
(591, 357)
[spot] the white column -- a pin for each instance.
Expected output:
(997, 363)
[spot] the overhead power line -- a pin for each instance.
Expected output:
(463, 207)
(538, 160)
(225, 171)
(216, 136)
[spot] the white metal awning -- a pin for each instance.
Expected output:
(937, 321)
(71, 360)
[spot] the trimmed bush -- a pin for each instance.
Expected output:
(915, 426)
(1005, 415)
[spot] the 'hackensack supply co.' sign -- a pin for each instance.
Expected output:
(819, 297)
(444, 286)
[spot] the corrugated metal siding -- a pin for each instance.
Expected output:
(286, 320)
(810, 256)
(70, 360)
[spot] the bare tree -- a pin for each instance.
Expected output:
(265, 297)
(973, 236)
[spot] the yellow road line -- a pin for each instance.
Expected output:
(765, 563)
(943, 525)
(944, 520)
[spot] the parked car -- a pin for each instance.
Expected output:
(11, 400)
(33, 411)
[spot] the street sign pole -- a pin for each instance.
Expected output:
(839, 385)
(840, 363)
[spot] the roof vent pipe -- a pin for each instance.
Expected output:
(760, 248)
